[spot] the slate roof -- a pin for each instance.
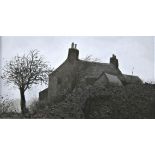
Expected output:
(96, 68)
(132, 79)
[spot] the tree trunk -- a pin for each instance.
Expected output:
(23, 101)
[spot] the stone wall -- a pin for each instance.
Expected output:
(62, 81)
(43, 95)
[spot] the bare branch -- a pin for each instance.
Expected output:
(26, 70)
(90, 58)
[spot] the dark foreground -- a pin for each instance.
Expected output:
(129, 102)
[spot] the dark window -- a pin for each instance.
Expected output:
(59, 81)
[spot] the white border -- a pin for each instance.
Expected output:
(77, 18)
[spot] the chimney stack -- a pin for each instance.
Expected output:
(114, 61)
(73, 53)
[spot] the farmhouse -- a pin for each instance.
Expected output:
(73, 71)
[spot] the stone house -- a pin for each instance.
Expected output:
(72, 71)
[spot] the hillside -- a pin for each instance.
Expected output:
(131, 101)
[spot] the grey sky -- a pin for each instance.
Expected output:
(137, 52)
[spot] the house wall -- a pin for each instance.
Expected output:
(62, 81)
(43, 95)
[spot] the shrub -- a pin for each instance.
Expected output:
(6, 105)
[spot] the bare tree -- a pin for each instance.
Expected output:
(90, 58)
(24, 71)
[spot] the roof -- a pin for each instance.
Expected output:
(112, 79)
(106, 78)
(100, 73)
(95, 69)
(132, 79)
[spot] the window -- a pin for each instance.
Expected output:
(59, 81)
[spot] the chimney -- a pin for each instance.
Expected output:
(114, 61)
(73, 53)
